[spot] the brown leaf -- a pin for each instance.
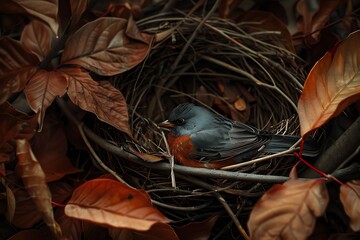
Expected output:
(332, 84)
(71, 227)
(50, 147)
(100, 98)
(17, 66)
(315, 15)
(11, 203)
(37, 38)
(197, 230)
(45, 10)
(34, 181)
(107, 46)
(42, 89)
(157, 231)
(108, 202)
(289, 210)
(26, 213)
(77, 9)
(350, 198)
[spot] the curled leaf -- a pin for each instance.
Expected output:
(34, 182)
(350, 198)
(107, 46)
(106, 201)
(289, 210)
(332, 84)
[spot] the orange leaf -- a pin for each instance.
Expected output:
(108, 202)
(350, 198)
(34, 181)
(157, 231)
(289, 210)
(50, 147)
(17, 66)
(45, 10)
(37, 37)
(42, 89)
(100, 98)
(332, 84)
(107, 46)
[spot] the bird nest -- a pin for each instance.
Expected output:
(236, 69)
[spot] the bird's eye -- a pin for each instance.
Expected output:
(180, 121)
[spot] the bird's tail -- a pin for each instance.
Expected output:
(280, 143)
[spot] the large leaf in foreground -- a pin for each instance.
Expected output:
(17, 66)
(350, 198)
(109, 202)
(107, 46)
(289, 210)
(332, 84)
(100, 98)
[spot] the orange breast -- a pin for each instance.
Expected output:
(182, 149)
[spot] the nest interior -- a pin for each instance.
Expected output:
(237, 69)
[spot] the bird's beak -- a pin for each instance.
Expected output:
(166, 124)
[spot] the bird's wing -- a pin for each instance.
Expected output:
(235, 140)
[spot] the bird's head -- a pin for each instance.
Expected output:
(188, 118)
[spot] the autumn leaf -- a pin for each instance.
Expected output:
(17, 66)
(37, 38)
(77, 9)
(289, 210)
(197, 230)
(34, 181)
(100, 98)
(350, 198)
(106, 46)
(106, 201)
(42, 89)
(45, 10)
(332, 84)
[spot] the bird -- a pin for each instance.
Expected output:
(201, 138)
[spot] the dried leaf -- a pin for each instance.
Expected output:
(157, 231)
(332, 84)
(315, 14)
(37, 38)
(100, 98)
(71, 228)
(107, 46)
(17, 66)
(26, 213)
(240, 104)
(106, 201)
(42, 89)
(50, 147)
(350, 198)
(289, 210)
(45, 10)
(77, 9)
(34, 181)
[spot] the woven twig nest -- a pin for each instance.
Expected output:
(244, 74)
